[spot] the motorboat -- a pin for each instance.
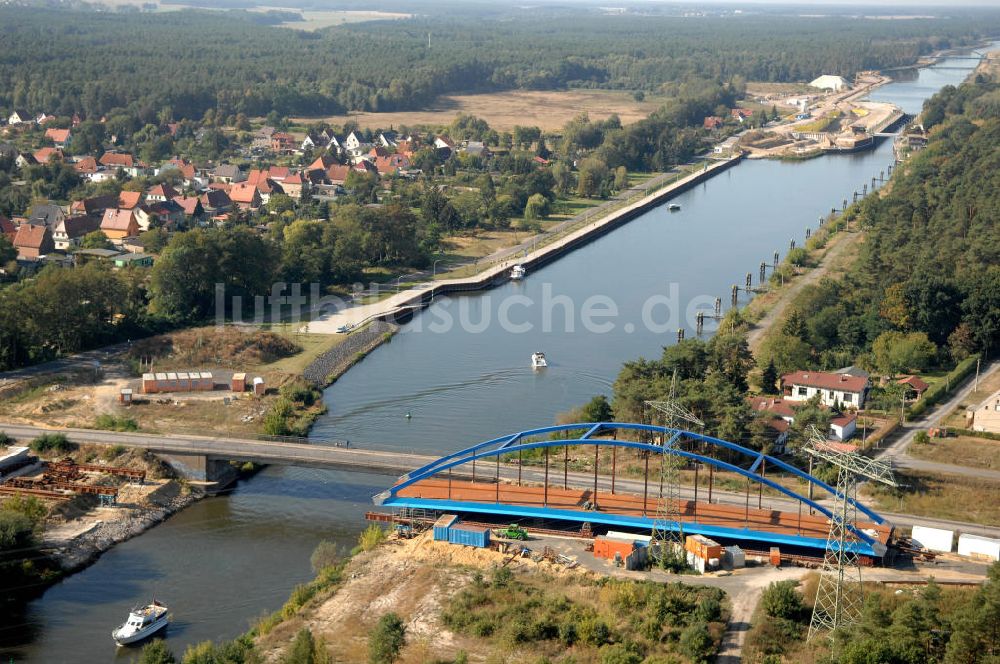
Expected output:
(142, 622)
(538, 360)
(674, 207)
(518, 273)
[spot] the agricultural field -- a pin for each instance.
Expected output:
(549, 110)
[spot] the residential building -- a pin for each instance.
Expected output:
(914, 386)
(129, 200)
(245, 196)
(191, 205)
(133, 260)
(712, 122)
(59, 137)
(70, 231)
(986, 416)
(216, 201)
(161, 193)
(45, 155)
(94, 206)
(833, 388)
(294, 185)
(228, 173)
(262, 138)
(842, 426)
(119, 224)
(32, 242)
(19, 116)
(282, 142)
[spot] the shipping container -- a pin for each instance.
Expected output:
(702, 547)
(734, 557)
(149, 383)
(605, 547)
(442, 525)
(239, 382)
(125, 396)
(982, 548)
(184, 381)
(933, 539)
(469, 536)
(171, 382)
(628, 537)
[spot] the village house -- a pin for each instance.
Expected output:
(262, 138)
(712, 122)
(742, 114)
(59, 137)
(32, 242)
(833, 388)
(19, 116)
(191, 206)
(184, 168)
(392, 164)
(70, 231)
(294, 185)
(216, 201)
(160, 214)
(267, 187)
(94, 206)
(386, 139)
(85, 166)
(25, 159)
(46, 214)
(119, 224)
(282, 142)
(228, 173)
(44, 118)
(245, 196)
(129, 200)
(123, 161)
(986, 416)
(161, 193)
(312, 142)
(355, 144)
(45, 155)
(842, 426)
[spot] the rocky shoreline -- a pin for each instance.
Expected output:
(75, 553)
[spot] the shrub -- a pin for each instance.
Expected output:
(112, 423)
(5, 440)
(921, 438)
(113, 452)
(52, 442)
(782, 600)
(619, 654)
(501, 577)
(156, 652)
(386, 640)
(709, 609)
(371, 538)
(696, 643)
(326, 554)
(594, 631)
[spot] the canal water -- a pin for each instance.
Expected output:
(228, 560)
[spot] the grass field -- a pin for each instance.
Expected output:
(550, 110)
(312, 346)
(942, 496)
(960, 450)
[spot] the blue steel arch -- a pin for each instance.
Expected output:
(512, 443)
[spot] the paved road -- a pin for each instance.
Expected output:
(897, 451)
(394, 463)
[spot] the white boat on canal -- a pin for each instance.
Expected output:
(518, 273)
(538, 361)
(143, 621)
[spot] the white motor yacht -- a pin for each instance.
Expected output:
(518, 273)
(538, 360)
(142, 621)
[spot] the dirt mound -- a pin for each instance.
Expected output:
(227, 347)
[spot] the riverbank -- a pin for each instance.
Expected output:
(404, 303)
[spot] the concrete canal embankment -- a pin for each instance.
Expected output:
(400, 307)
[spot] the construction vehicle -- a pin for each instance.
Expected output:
(512, 531)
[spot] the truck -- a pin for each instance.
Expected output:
(512, 531)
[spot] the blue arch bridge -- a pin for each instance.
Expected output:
(529, 475)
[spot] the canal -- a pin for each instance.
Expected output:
(228, 560)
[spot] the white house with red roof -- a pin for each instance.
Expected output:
(833, 388)
(842, 425)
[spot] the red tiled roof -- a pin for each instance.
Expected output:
(324, 162)
(188, 203)
(278, 173)
(164, 190)
(42, 156)
(772, 405)
(30, 236)
(294, 178)
(843, 420)
(117, 159)
(914, 382)
(86, 165)
(243, 192)
(57, 135)
(117, 220)
(826, 381)
(129, 200)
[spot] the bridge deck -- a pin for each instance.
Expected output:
(719, 519)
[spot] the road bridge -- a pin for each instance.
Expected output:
(206, 458)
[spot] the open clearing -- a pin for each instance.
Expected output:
(504, 110)
(960, 451)
(942, 497)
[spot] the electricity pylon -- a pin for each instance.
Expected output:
(667, 536)
(840, 595)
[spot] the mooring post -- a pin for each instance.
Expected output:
(776, 255)
(680, 334)
(736, 295)
(749, 281)
(808, 232)
(791, 244)
(718, 307)
(763, 272)
(845, 204)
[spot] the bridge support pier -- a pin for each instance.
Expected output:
(216, 474)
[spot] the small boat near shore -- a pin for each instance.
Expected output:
(674, 207)
(518, 273)
(538, 361)
(142, 622)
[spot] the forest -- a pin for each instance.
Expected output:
(96, 63)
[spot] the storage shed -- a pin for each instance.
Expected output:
(205, 381)
(239, 382)
(258, 386)
(125, 396)
(184, 381)
(443, 525)
(149, 385)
